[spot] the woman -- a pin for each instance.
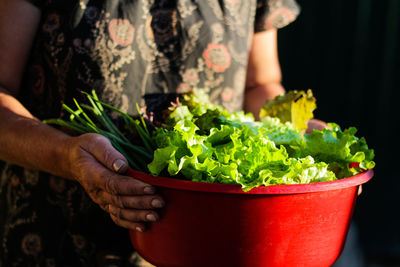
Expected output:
(65, 200)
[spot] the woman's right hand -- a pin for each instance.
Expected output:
(99, 168)
(90, 159)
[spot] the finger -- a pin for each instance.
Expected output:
(359, 190)
(137, 226)
(133, 202)
(105, 180)
(133, 215)
(124, 185)
(101, 148)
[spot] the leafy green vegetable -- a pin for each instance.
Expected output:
(209, 144)
(296, 107)
(280, 133)
(200, 141)
(340, 148)
(219, 147)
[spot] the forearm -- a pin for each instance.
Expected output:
(27, 142)
(89, 159)
(256, 96)
(263, 79)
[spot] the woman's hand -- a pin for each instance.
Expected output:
(24, 140)
(316, 124)
(99, 168)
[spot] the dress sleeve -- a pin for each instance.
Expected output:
(272, 14)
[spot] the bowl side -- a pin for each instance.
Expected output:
(222, 229)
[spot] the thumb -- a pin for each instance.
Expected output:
(101, 148)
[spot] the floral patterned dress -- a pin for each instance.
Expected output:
(136, 51)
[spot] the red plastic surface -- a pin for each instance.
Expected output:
(220, 225)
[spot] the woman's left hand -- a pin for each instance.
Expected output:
(315, 124)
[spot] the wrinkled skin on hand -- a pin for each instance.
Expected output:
(100, 169)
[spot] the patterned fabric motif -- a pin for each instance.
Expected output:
(275, 14)
(129, 52)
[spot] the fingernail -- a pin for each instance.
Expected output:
(139, 229)
(156, 203)
(151, 217)
(118, 164)
(149, 190)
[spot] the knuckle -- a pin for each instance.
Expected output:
(143, 203)
(111, 184)
(97, 142)
(137, 187)
(119, 201)
(105, 207)
(147, 202)
(118, 213)
(129, 186)
(94, 140)
(138, 216)
(89, 142)
(103, 147)
(115, 211)
(98, 201)
(96, 196)
(136, 202)
(115, 219)
(107, 156)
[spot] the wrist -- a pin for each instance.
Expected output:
(255, 97)
(63, 159)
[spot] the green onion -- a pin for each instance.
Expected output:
(82, 122)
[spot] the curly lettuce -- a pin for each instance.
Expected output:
(208, 144)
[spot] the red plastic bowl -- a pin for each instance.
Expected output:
(220, 225)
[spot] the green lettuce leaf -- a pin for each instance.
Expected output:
(296, 107)
(337, 148)
(229, 152)
(206, 143)
(280, 133)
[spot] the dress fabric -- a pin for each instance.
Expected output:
(132, 51)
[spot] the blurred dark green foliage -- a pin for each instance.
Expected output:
(348, 53)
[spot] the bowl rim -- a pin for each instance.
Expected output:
(173, 183)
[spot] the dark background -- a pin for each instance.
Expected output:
(348, 53)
